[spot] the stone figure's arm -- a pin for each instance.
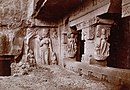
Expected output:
(50, 45)
(41, 43)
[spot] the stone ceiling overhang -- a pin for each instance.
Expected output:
(109, 9)
(57, 9)
(54, 9)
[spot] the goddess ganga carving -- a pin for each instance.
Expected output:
(45, 47)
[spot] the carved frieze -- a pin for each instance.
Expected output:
(86, 23)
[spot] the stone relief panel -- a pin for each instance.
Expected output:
(125, 10)
(71, 45)
(54, 34)
(29, 34)
(31, 58)
(55, 46)
(91, 33)
(45, 47)
(88, 33)
(101, 42)
(38, 48)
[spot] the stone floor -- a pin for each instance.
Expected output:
(53, 78)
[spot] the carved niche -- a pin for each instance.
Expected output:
(41, 52)
(101, 42)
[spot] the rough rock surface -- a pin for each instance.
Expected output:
(52, 78)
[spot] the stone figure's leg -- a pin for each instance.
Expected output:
(47, 57)
(43, 57)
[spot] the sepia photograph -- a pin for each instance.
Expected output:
(64, 44)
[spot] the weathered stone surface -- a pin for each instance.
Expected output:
(125, 8)
(88, 35)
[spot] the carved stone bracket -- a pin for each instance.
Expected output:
(101, 42)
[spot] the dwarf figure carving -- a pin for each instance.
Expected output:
(53, 59)
(31, 59)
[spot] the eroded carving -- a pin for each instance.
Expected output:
(54, 34)
(54, 59)
(20, 69)
(72, 45)
(31, 58)
(37, 47)
(45, 47)
(40, 52)
(29, 34)
(101, 44)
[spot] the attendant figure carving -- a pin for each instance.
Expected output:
(45, 47)
(71, 46)
(31, 59)
(37, 47)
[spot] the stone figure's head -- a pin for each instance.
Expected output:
(31, 51)
(45, 32)
(53, 54)
(103, 31)
(70, 35)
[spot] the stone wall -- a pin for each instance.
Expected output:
(13, 11)
(120, 45)
(12, 19)
(119, 39)
(92, 24)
